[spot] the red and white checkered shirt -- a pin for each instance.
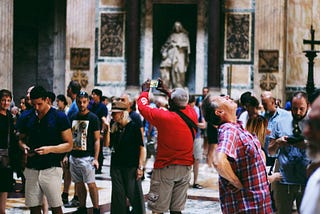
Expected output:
(245, 156)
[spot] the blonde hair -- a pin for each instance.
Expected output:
(258, 126)
(125, 119)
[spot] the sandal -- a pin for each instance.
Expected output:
(197, 186)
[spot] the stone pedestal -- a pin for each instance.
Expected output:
(6, 43)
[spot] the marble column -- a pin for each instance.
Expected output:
(214, 41)
(6, 43)
(133, 42)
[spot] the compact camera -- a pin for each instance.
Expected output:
(154, 83)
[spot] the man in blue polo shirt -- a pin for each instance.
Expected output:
(45, 134)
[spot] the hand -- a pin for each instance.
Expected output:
(282, 141)
(162, 87)
(65, 162)
(139, 173)
(95, 163)
(43, 150)
(145, 87)
(275, 177)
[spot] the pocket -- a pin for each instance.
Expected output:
(153, 194)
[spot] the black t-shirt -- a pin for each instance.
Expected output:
(44, 132)
(83, 128)
(6, 122)
(212, 133)
(125, 146)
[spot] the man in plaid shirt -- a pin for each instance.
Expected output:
(239, 160)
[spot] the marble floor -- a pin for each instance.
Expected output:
(199, 200)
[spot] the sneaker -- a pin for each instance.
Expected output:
(65, 199)
(73, 203)
(197, 186)
(81, 210)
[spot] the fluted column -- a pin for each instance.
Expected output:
(6, 43)
(133, 42)
(214, 41)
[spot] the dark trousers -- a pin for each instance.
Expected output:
(125, 185)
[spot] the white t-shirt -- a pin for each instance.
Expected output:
(311, 199)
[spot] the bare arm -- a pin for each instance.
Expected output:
(210, 155)
(224, 169)
(96, 148)
(275, 144)
(142, 160)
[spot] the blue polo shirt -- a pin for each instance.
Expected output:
(44, 132)
(292, 160)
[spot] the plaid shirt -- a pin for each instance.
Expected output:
(245, 156)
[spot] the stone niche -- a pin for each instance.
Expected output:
(164, 16)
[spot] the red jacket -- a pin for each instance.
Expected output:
(175, 142)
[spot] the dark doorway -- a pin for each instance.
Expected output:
(34, 38)
(164, 16)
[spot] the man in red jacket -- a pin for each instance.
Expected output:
(173, 164)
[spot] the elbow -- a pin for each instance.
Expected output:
(69, 147)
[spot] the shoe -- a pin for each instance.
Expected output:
(65, 199)
(197, 186)
(73, 203)
(81, 210)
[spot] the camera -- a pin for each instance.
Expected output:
(154, 83)
(292, 139)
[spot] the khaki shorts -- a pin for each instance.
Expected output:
(43, 182)
(168, 188)
(197, 148)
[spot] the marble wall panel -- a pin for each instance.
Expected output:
(238, 4)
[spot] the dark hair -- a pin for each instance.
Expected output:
(244, 97)
(62, 98)
(51, 96)
(5, 93)
(74, 86)
(82, 94)
(38, 92)
(98, 92)
(208, 109)
(253, 101)
(192, 99)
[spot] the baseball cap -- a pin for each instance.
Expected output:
(119, 106)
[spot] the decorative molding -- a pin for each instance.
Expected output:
(111, 39)
(79, 58)
(268, 81)
(238, 31)
(268, 60)
(81, 77)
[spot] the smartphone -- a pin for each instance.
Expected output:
(154, 83)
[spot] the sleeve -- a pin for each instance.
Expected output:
(63, 120)
(151, 114)
(227, 139)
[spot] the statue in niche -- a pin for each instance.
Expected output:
(175, 57)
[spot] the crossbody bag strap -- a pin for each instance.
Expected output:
(188, 121)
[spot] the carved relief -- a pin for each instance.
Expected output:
(79, 58)
(112, 35)
(268, 60)
(81, 77)
(268, 82)
(237, 37)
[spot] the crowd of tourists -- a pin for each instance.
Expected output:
(267, 157)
